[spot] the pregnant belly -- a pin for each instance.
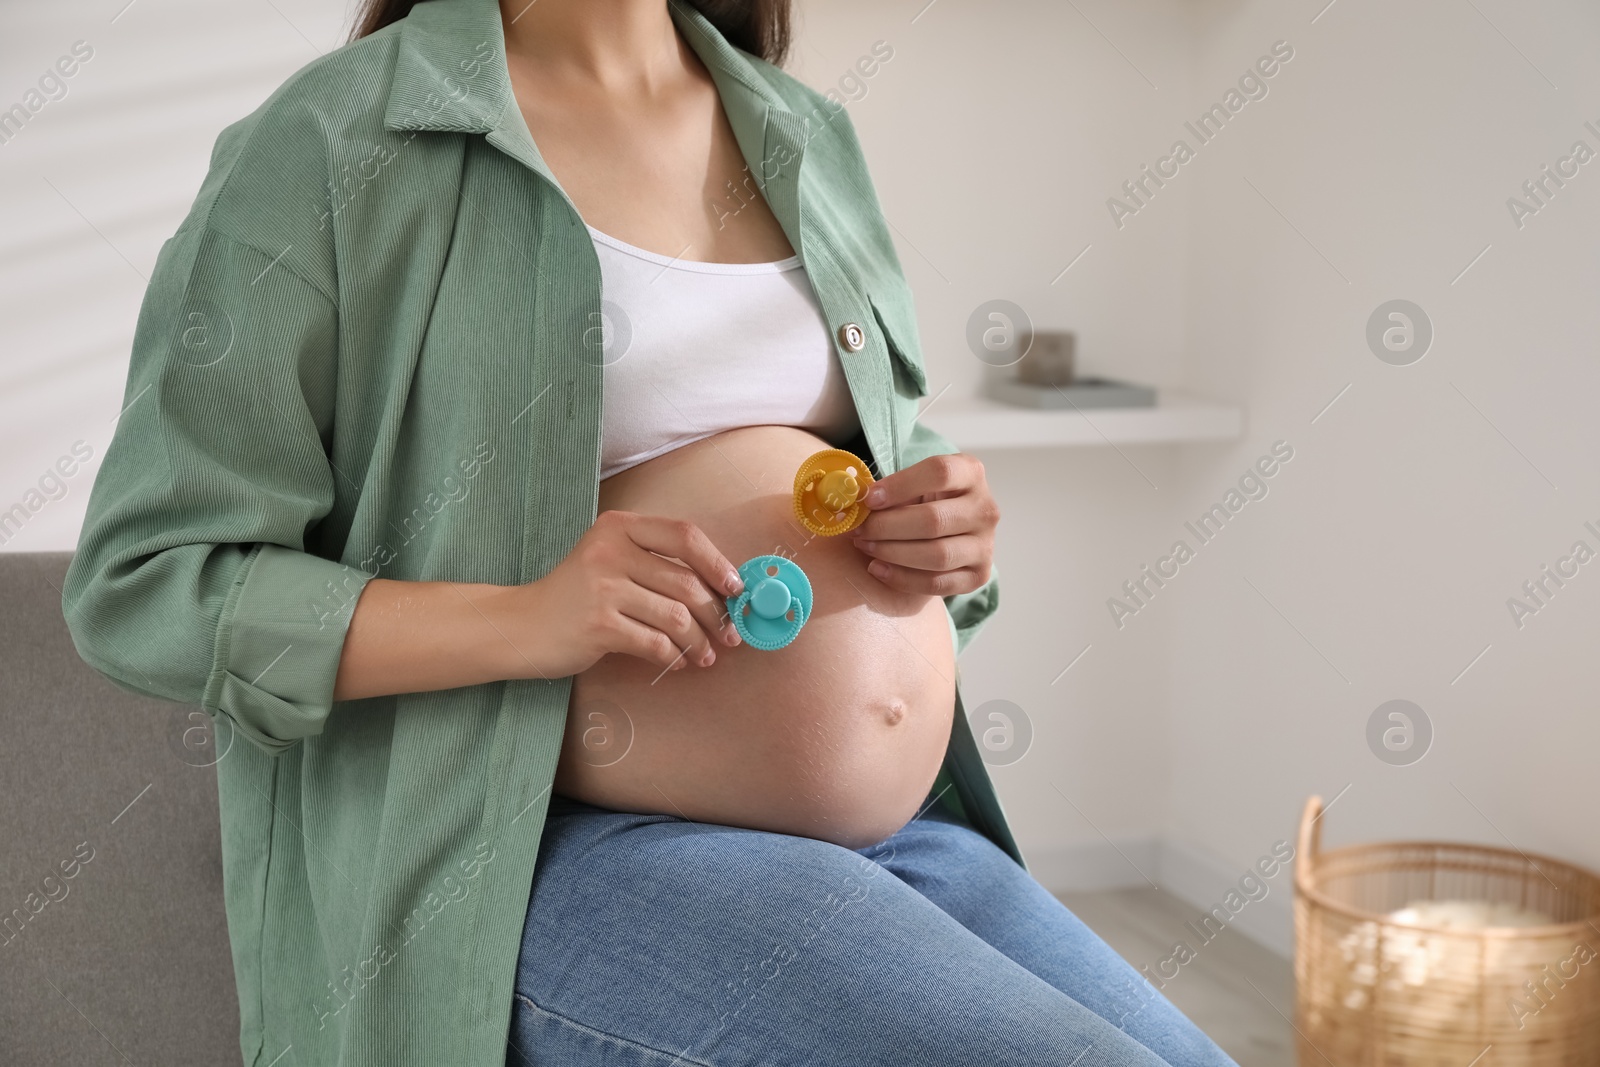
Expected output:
(837, 736)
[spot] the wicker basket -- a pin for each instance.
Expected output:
(1371, 992)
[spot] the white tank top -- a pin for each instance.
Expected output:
(692, 349)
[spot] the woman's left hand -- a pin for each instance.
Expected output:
(931, 527)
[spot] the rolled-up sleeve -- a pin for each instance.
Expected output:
(969, 612)
(192, 580)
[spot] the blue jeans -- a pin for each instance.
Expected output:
(652, 941)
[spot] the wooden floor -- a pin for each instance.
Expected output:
(1215, 988)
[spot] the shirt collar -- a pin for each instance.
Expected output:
(451, 70)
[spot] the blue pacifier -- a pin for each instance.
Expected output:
(775, 603)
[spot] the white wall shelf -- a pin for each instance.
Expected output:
(975, 422)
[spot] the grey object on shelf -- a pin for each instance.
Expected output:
(1082, 393)
(1049, 358)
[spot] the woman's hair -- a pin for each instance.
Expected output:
(760, 27)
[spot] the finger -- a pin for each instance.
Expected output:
(919, 522)
(630, 637)
(673, 619)
(928, 583)
(938, 554)
(936, 474)
(685, 541)
(677, 582)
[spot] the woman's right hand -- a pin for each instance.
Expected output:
(616, 592)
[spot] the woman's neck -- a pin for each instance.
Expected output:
(618, 46)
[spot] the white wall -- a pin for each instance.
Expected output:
(1182, 745)
(91, 186)
(1427, 494)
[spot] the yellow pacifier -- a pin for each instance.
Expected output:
(828, 492)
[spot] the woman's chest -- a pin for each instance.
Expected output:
(664, 173)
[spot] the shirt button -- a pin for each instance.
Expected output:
(852, 337)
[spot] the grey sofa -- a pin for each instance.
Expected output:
(113, 943)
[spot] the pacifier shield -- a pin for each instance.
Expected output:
(828, 490)
(775, 602)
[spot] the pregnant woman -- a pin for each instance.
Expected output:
(489, 349)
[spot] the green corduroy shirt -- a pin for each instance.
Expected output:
(371, 349)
